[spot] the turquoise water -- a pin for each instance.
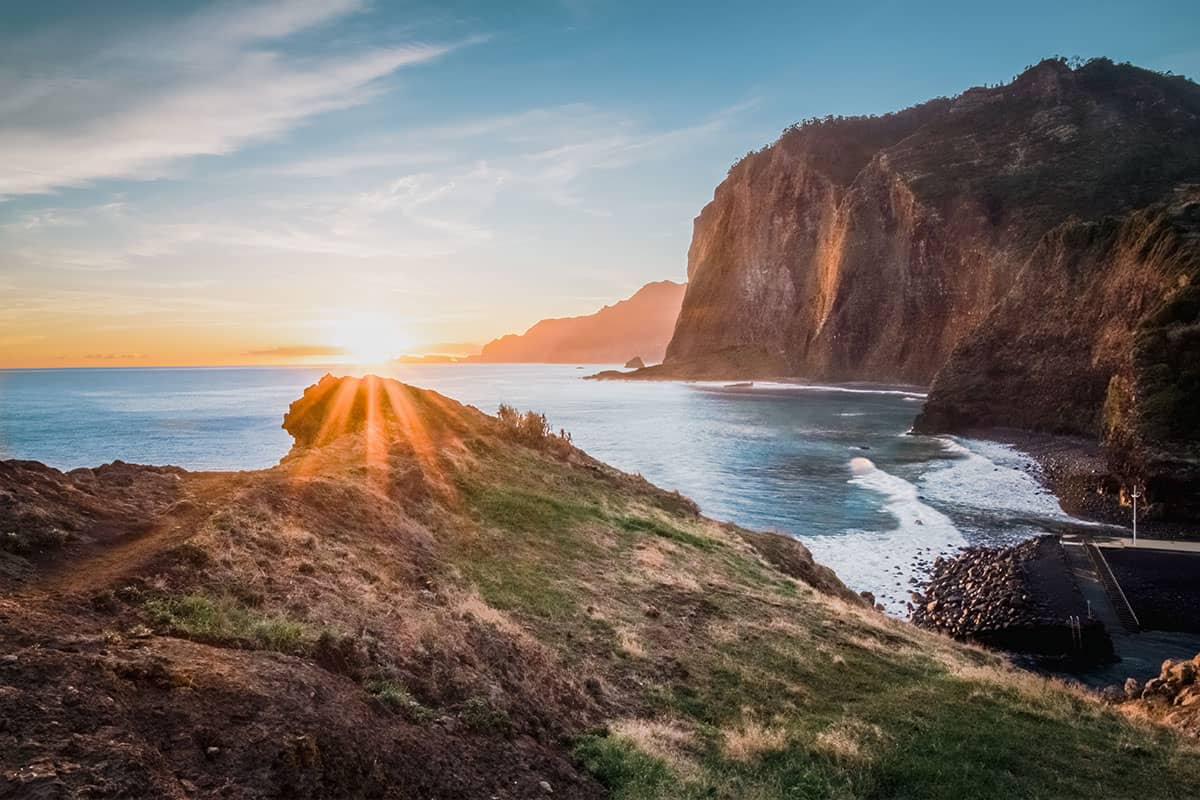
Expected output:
(833, 466)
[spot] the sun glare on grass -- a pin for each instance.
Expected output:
(368, 338)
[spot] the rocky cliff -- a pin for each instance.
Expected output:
(640, 325)
(1099, 336)
(867, 248)
(1019, 243)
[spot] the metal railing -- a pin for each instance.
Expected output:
(1112, 588)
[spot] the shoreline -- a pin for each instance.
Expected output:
(1073, 468)
(1075, 471)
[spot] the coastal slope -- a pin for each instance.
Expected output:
(639, 326)
(422, 601)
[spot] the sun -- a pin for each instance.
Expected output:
(368, 338)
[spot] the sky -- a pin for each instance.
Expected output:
(307, 180)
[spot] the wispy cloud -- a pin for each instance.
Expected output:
(208, 86)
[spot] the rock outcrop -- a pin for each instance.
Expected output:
(1173, 697)
(635, 363)
(641, 324)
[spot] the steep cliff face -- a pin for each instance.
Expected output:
(1098, 337)
(866, 249)
(638, 326)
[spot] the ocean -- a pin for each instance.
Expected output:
(834, 466)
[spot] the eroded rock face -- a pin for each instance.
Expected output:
(1034, 246)
(1099, 337)
(867, 248)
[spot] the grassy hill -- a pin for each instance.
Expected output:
(425, 601)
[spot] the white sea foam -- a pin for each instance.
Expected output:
(992, 476)
(981, 484)
(813, 387)
(883, 560)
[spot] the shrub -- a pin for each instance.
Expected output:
(531, 429)
(480, 715)
(28, 542)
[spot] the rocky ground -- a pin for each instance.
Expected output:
(422, 601)
(1173, 697)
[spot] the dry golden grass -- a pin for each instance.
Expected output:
(849, 738)
(751, 739)
(664, 739)
(472, 605)
(630, 642)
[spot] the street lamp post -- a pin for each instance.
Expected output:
(1136, 495)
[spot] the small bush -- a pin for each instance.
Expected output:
(480, 715)
(191, 554)
(28, 542)
(531, 429)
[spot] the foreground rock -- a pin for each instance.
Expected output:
(1022, 599)
(1173, 697)
(423, 601)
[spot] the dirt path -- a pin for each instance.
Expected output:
(94, 567)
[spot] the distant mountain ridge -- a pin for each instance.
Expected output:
(640, 325)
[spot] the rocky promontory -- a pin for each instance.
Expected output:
(641, 323)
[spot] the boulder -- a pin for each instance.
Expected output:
(635, 363)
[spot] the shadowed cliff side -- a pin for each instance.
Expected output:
(1099, 337)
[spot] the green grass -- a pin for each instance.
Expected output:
(626, 771)
(395, 696)
(225, 619)
(665, 531)
(527, 535)
(938, 735)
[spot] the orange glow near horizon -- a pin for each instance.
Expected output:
(368, 338)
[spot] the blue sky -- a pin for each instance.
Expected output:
(210, 182)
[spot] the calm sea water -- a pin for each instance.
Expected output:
(833, 466)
